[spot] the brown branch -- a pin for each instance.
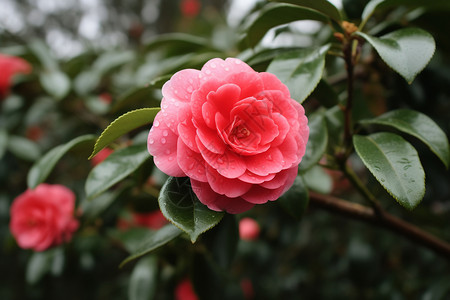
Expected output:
(386, 220)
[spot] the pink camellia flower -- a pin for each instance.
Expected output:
(235, 132)
(248, 229)
(153, 220)
(9, 66)
(185, 291)
(190, 8)
(101, 156)
(43, 217)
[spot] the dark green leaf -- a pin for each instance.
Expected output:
(418, 125)
(325, 94)
(114, 168)
(42, 168)
(143, 279)
(322, 6)
(135, 95)
(300, 70)
(317, 142)
(179, 41)
(407, 50)
(124, 124)
(181, 206)
(24, 148)
(91, 209)
(278, 14)
(41, 263)
(154, 241)
(3, 142)
(375, 5)
(55, 83)
(43, 54)
(296, 199)
(395, 164)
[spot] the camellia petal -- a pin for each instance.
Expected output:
(229, 187)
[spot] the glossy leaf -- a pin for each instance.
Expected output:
(55, 83)
(317, 179)
(181, 206)
(395, 164)
(42, 168)
(418, 125)
(92, 209)
(375, 5)
(300, 70)
(154, 241)
(296, 199)
(41, 263)
(124, 124)
(317, 143)
(278, 14)
(323, 6)
(407, 51)
(114, 168)
(144, 279)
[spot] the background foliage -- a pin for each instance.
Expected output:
(50, 123)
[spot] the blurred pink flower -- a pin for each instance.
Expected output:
(235, 132)
(9, 66)
(105, 97)
(153, 220)
(247, 288)
(248, 229)
(101, 156)
(43, 217)
(185, 291)
(190, 8)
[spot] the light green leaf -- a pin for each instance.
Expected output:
(86, 82)
(181, 206)
(418, 125)
(407, 50)
(55, 83)
(42, 168)
(144, 279)
(317, 179)
(395, 164)
(317, 143)
(24, 148)
(300, 70)
(41, 263)
(322, 6)
(154, 241)
(296, 199)
(114, 168)
(124, 124)
(110, 60)
(41, 51)
(278, 14)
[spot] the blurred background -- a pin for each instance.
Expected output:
(94, 60)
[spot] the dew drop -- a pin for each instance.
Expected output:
(238, 62)
(151, 141)
(165, 105)
(213, 65)
(227, 69)
(170, 158)
(167, 151)
(163, 141)
(176, 91)
(269, 157)
(165, 133)
(190, 89)
(382, 180)
(200, 75)
(191, 81)
(208, 72)
(156, 123)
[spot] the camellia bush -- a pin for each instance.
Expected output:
(280, 160)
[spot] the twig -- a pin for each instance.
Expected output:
(386, 220)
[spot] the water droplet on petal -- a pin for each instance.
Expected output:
(151, 141)
(167, 151)
(190, 89)
(170, 158)
(165, 133)
(213, 65)
(156, 123)
(227, 69)
(208, 72)
(163, 141)
(176, 91)
(269, 157)
(238, 62)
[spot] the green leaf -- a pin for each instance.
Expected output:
(418, 125)
(92, 209)
(86, 82)
(144, 279)
(395, 164)
(114, 168)
(278, 14)
(154, 241)
(110, 60)
(317, 143)
(407, 51)
(41, 51)
(181, 206)
(300, 70)
(41, 263)
(135, 95)
(322, 6)
(179, 42)
(296, 199)
(42, 168)
(124, 124)
(23, 148)
(3, 142)
(374, 5)
(317, 179)
(56, 83)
